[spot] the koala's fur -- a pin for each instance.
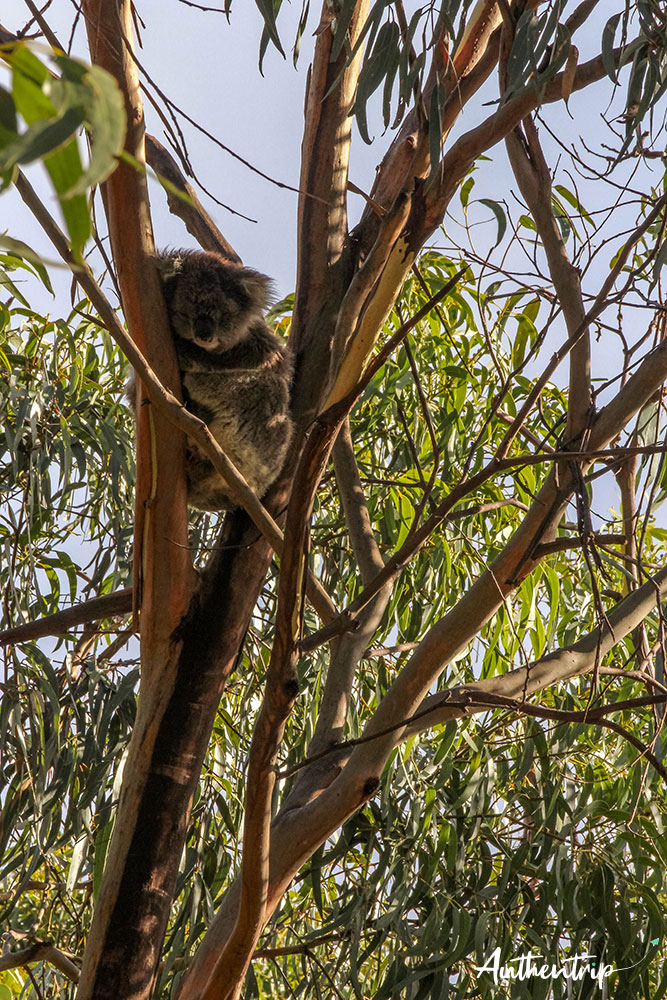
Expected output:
(235, 373)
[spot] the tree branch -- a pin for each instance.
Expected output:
(322, 256)
(563, 544)
(534, 179)
(105, 606)
(161, 530)
(281, 690)
(561, 665)
(188, 208)
(458, 160)
(42, 951)
(357, 518)
(163, 575)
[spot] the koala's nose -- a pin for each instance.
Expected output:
(203, 327)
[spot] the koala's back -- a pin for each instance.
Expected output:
(243, 396)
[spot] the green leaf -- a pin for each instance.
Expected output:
(8, 123)
(101, 847)
(382, 61)
(301, 27)
(105, 120)
(607, 43)
(42, 138)
(499, 213)
(268, 9)
(28, 80)
(54, 108)
(64, 168)
(343, 19)
(572, 200)
(465, 189)
(22, 251)
(660, 260)
(524, 41)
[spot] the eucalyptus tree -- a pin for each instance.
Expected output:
(399, 722)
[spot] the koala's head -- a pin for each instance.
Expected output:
(212, 301)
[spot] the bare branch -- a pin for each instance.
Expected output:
(408, 155)
(534, 179)
(601, 300)
(189, 208)
(458, 160)
(335, 701)
(357, 517)
(563, 544)
(40, 20)
(42, 951)
(523, 431)
(322, 265)
(105, 606)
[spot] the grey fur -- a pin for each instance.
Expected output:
(235, 373)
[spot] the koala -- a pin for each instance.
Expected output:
(235, 373)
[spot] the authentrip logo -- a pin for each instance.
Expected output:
(529, 966)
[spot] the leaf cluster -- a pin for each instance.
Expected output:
(53, 108)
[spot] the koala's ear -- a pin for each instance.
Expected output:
(168, 265)
(258, 286)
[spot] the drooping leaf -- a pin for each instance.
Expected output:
(499, 213)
